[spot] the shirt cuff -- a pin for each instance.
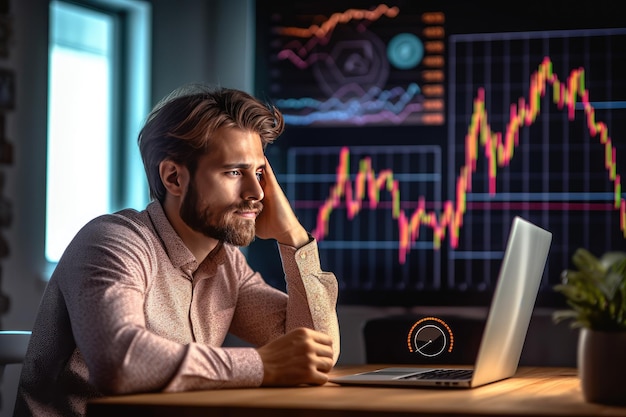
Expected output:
(304, 260)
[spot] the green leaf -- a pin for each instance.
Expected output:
(595, 291)
(587, 263)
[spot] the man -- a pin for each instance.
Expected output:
(142, 301)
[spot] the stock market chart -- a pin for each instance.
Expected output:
(416, 131)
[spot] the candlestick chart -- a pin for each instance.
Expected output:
(417, 209)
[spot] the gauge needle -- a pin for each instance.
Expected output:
(425, 344)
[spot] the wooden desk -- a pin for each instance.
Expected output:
(533, 391)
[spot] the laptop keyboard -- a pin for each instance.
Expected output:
(442, 374)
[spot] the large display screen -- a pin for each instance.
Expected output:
(417, 130)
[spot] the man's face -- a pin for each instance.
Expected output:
(224, 197)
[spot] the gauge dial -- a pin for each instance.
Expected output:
(430, 337)
(430, 340)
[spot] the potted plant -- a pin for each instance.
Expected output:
(596, 293)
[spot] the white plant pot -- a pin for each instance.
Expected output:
(602, 366)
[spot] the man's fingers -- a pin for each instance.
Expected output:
(325, 364)
(324, 350)
(302, 356)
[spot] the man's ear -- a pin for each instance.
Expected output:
(174, 177)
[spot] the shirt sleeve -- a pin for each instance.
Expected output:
(264, 312)
(312, 292)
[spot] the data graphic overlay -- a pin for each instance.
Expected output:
(357, 66)
(430, 337)
(362, 225)
(531, 122)
(547, 147)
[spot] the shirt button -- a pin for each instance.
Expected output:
(302, 255)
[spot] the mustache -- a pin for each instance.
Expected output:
(249, 206)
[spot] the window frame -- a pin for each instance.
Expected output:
(131, 83)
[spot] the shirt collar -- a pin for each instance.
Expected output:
(180, 256)
(178, 253)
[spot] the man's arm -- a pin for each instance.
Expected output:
(105, 278)
(312, 292)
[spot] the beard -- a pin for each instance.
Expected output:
(223, 225)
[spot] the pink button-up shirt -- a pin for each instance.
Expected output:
(129, 309)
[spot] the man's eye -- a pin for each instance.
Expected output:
(259, 176)
(234, 173)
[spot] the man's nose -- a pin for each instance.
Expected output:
(253, 190)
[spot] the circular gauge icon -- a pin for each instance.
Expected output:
(430, 340)
(430, 337)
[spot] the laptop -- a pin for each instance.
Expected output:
(505, 330)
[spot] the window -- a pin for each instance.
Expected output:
(92, 125)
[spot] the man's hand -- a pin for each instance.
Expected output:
(302, 356)
(277, 220)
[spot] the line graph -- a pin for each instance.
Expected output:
(320, 33)
(369, 200)
(560, 135)
(497, 147)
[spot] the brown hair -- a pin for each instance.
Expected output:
(180, 126)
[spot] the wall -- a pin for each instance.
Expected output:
(23, 270)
